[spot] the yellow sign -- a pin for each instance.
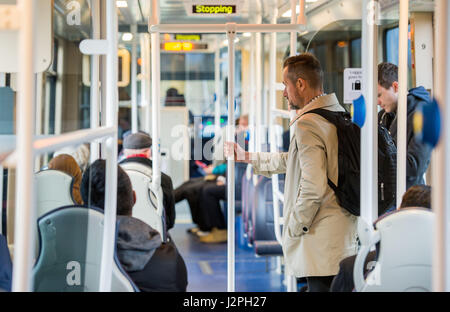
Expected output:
(213, 9)
(178, 46)
(188, 37)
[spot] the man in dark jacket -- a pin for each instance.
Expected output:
(418, 155)
(151, 264)
(137, 149)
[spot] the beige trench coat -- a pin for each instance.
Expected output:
(319, 233)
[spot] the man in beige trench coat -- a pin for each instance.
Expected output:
(317, 232)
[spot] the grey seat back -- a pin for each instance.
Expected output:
(404, 261)
(69, 259)
(145, 208)
(53, 190)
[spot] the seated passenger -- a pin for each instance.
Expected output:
(197, 189)
(415, 196)
(152, 265)
(209, 201)
(67, 164)
(137, 148)
(5, 266)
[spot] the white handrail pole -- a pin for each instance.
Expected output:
(231, 35)
(440, 197)
(111, 148)
(146, 81)
(402, 101)
(252, 103)
(293, 41)
(25, 204)
(258, 101)
(369, 133)
(220, 28)
(217, 91)
(95, 77)
(134, 103)
(272, 119)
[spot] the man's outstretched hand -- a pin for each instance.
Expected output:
(233, 150)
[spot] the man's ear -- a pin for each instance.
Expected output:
(300, 84)
(134, 197)
(395, 86)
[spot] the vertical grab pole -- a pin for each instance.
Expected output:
(258, 106)
(402, 101)
(156, 108)
(146, 81)
(95, 77)
(251, 115)
(231, 34)
(293, 47)
(25, 204)
(218, 97)
(441, 167)
(369, 137)
(134, 103)
(111, 148)
(272, 119)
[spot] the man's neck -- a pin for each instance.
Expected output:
(313, 95)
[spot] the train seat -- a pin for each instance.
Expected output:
(263, 220)
(268, 248)
(240, 169)
(53, 190)
(404, 241)
(71, 250)
(145, 208)
(250, 210)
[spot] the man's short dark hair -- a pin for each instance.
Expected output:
(307, 67)
(93, 188)
(417, 196)
(387, 74)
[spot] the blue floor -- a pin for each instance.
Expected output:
(207, 264)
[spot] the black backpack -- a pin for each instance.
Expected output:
(349, 146)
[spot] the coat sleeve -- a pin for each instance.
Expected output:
(267, 164)
(418, 154)
(313, 180)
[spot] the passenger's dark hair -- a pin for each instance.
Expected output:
(93, 188)
(417, 196)
(387, 74)
(307, 67)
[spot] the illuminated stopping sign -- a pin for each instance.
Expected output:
(190, 37)
(177, 46)
(213, 9)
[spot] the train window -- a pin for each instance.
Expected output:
(391, 49)
(355, 53)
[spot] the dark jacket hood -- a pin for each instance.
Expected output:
(136, 243)
(420, 93)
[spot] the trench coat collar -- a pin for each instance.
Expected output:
(328, 101)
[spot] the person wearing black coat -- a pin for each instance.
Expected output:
(418, 154)
(152, 265)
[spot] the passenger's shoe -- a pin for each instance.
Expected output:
(201, 233)
(193, 230)
(216, 236)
